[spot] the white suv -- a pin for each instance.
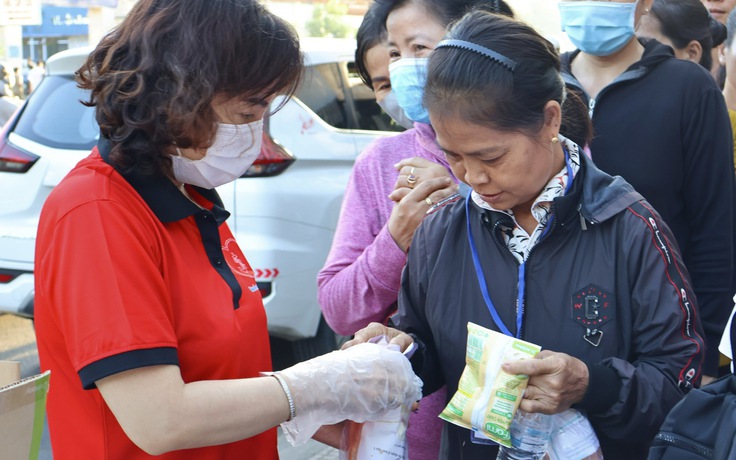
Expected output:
(284, 209)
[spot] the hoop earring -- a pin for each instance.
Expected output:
(555, 140)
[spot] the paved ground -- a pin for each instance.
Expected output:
(18, 343)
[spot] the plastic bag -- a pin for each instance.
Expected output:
(573, 438)
(383, 439)
(376, 440)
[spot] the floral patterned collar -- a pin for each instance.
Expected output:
(517, 239)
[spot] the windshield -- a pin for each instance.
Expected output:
(54, 116)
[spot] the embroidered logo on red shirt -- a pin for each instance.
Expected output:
(235, 259)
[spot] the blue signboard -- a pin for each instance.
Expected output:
(59, 22)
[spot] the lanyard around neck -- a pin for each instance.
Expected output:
(522, 267)
(484, 286)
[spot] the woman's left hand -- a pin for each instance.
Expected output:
(420, 185)
(395, 336)
(556, 381)
(413, 171)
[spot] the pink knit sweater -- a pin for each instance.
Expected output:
(360, 280)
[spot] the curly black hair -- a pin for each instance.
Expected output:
(153, 78)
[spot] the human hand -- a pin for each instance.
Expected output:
(413, 171)
(393, 336)
(556, 381)
(360, 383)
(421, 184)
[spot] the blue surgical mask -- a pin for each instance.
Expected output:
(390, 105)
(598, 28)
(408, 77)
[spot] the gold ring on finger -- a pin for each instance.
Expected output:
(429, 201)
(411, 171)
(411, 179)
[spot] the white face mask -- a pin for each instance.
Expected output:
(234, 150)
(391, 106)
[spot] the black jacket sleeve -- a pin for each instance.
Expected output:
(709, 203)
(666, 346)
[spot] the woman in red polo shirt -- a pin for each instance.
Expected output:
(147, 312)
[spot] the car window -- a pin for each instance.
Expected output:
(335, 93)
(321, 91)
(370, 115)
(54, 116)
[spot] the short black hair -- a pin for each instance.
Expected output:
(683, 21)
(370, 33)
(372, 30)
(485, 92)
(447, 11)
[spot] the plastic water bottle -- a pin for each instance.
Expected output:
(530, 435)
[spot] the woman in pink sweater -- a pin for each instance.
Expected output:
(395, 182)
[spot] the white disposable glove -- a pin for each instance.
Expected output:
(360, 383)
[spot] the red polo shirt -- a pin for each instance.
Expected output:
(130, 273)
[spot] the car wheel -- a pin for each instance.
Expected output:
(325, 341)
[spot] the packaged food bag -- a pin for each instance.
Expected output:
(487, 397)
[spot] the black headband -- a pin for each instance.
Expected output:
(462, 44)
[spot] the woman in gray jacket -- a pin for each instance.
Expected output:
(546, 247)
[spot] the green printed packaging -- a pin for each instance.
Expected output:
(487, 397)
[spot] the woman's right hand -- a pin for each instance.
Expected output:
(556, 381)
(421, 184)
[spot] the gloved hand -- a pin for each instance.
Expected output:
(361, 383)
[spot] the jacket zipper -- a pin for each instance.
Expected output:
(686, 444)
(570, 79)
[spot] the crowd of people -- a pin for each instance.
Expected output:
(20, 82)
(583, 202)
(658, 123)
(15, 85)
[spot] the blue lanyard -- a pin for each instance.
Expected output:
(522, 267)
